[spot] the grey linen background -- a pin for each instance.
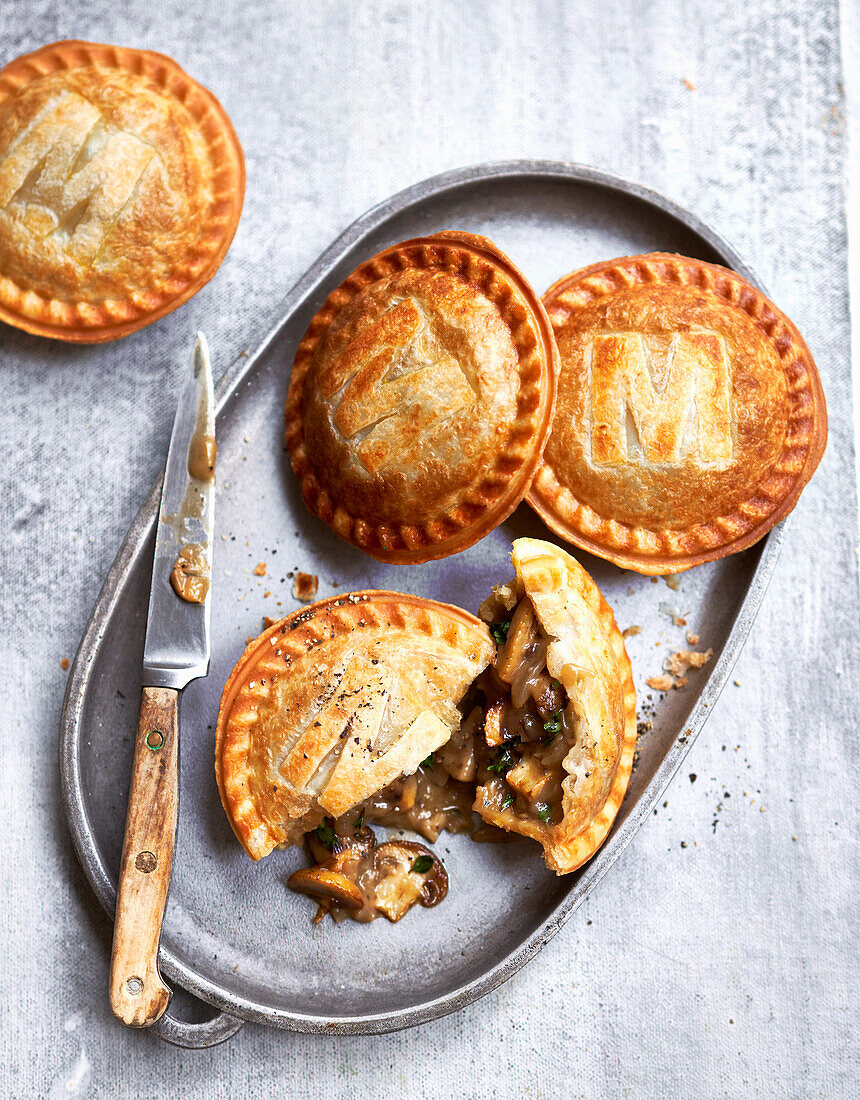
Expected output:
(728, 967)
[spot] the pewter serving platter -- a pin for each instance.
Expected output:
(234, 935)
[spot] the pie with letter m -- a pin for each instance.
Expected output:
(121, 186)
(689, 416)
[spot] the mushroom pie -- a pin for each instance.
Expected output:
(421, 397)
(121, 186)
(382, 708)
(690, 413)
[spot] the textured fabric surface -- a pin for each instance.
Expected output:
(719, 957)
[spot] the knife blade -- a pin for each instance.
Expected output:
(176, 651)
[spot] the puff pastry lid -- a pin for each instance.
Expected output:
(121, 186)
(332, 704)
(421, 397)
(690, 413)
(587, 655)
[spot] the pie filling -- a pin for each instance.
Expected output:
(516, 732)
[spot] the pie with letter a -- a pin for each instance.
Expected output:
(689, 417)
(330, 706)
(421, 397)
(121, 186)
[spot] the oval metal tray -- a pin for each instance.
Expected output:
(234, 935)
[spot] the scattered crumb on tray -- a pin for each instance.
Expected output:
(631, 631)
(692, 639)
(688, 84)
(673, 580)
(686, 659)
(260, 571)
(64, 663)
(305, 586)
(676, 666)
(268, 621)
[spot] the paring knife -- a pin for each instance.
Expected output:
(175, 653)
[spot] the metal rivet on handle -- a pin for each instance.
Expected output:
(154, 740)
(146, 862)
(134, 986)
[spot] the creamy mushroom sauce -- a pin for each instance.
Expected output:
(514, 736)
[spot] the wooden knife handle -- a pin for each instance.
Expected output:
(138, 996)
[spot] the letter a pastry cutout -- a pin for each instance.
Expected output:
(121, 186)
(333, 703)
(690, 414)
(421, 397)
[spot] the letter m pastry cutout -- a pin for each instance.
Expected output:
(679, 401)
(69, 178)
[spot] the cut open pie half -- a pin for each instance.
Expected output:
(421, 397)
(690, 414)
(121, 186)
(328, 707)
(378, 707)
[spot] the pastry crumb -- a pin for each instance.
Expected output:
(269, 621)
(260, 571)
(305, 586)
(692, 639)
(660, 683)
(688, 84)
(267, 593)
(678, 663)
(631, 631)
(673, 580)
(64, 663)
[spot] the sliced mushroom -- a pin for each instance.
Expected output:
(397, 886)
(520, 635)
(360, 842)
(326, 885)
(494, 727)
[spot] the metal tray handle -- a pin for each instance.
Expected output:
(209, 1033)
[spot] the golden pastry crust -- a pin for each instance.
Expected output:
(121, 186)
(421, 397)
(690, 413)
(588, 657)
(330, 705)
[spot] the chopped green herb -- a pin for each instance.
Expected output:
(499, 632)
(508, 800)
(326, 834)
(429, 761)
(544, 812)
(504, 762)
(553, 723)
(422, 864)
(359, 821)
(554, 684)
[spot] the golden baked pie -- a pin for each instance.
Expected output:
(121, 186)
(328, 707)
(421, 397)
(689, 416)
(559, 708)
(382, 708)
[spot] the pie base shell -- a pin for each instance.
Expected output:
(589, 658)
